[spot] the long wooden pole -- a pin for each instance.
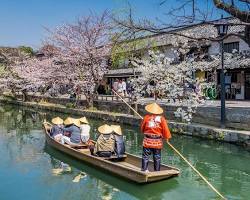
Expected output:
(203, 178)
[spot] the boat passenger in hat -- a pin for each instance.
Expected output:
(85, 129)
(105, 143)
(57, 128)
(119, 140)
(155, 129)
(72, 127)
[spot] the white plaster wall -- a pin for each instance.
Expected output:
(244, 46)
(169, 52)
(215, 46)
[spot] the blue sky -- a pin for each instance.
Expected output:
(22, 22)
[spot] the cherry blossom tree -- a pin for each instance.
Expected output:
(176, 81)
(186, 13)
(29, 75)
(75, 54)
(83, 49)
(172, 81)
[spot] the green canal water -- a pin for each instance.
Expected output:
(28, 164)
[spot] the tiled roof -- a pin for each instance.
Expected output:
(206, 29)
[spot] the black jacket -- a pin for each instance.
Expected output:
(119, 145)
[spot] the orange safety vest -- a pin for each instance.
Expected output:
(154, 128)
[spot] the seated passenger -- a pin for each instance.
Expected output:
(119, 141)
(85, 129)
(57, 129)
(105, 143)
(72, 132)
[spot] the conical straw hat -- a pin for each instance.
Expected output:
(154, 108)
(105, 129)
(117, 129)
(76, 122)
(68, 121)
(83, 120)
(57, 121)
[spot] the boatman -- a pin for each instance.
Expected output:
(155, 129)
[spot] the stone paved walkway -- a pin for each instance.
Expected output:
(209, 103)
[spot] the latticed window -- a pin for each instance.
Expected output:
(229, 47)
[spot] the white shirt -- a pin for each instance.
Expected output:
(124, 85)
(120, 87)
(115, 85)
(85, 129)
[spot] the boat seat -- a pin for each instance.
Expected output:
(79, 146)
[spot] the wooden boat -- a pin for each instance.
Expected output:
(129, 167)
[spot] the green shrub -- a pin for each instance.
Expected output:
(9, 97)
(27, 50)
(70, 105)
(92, 108)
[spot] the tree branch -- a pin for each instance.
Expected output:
(233, 10)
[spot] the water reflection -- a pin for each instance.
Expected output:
(105, 181)
(59, 167)
(28, 166)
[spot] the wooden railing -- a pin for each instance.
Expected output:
(113, 98)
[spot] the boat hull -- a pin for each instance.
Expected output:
(128, 169)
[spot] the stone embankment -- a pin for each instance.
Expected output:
(198, 130)
(237, 117)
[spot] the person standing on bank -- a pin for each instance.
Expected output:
(115, 85)
(124, 87)
(155, 129)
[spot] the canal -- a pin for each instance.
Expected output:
(30, 169)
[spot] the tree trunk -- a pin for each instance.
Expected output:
(231, 9)
(13, 92)
(24, 96)
(90, 101)
(77, 100)
(234, 11)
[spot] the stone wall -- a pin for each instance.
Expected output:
(115, 106)
(236, 118)
(208, 132)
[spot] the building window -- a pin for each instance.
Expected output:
(229, 47)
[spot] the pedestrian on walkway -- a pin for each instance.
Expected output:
(129, 88)
(115, 85)
(120, 88)
(124, 87)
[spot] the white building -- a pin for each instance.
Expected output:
(237, 80)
